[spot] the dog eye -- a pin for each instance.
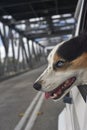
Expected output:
(60, 63)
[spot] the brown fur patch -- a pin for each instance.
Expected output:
(56, 58)
(80, 62)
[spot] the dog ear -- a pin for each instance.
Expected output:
(73, 48)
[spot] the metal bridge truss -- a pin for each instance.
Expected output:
(23, 42)
(18, 53)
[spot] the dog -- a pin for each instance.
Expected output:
(67, 67)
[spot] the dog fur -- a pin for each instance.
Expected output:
(67, 66)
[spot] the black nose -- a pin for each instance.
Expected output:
(37, 86)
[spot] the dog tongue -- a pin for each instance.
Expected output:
(47, 95)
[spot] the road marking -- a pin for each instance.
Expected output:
(34, 115)
(28, 111)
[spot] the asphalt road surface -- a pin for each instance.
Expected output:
(23, 108)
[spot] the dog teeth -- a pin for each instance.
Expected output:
(54, 96)
(65, 85)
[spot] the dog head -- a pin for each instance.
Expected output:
(67, 67)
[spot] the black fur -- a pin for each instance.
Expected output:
(73, 48)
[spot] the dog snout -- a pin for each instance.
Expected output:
(37, 86)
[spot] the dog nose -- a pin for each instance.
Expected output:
(37, 86)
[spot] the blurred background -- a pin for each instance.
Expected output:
(29, 29)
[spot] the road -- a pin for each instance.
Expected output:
(16, 95)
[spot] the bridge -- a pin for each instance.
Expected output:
(28, 31)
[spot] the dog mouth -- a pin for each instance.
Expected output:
(60, 90)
